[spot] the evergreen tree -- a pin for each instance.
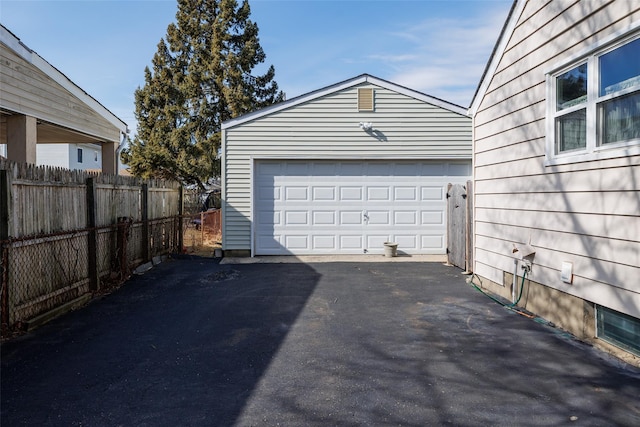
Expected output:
(201, 77)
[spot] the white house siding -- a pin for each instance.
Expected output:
(327, 127)
(66, 156)
(587, 213)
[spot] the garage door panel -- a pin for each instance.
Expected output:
(406, 242)
(351, 193)
(271, 168)
(324, 194)
(406, 169)
(379, 169)
(269, 242)
(432, 193)
(323, 169)
(378, 194)
(378, 218)
(297, 218)
(459, 169)
(307, 207)
(296, 193)
(432, 217)
(269, 218)
(432, 241)
(405, 217)
(324, 218)
(405, 193)
(375, 241)
(268, 193)
(351, 242)
(296, 169)
(324, 242)
(432, 169)
(350, 217)
(354, 168)
(297, 242)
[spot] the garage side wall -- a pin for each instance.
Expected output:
(586, 213)
(328, 128)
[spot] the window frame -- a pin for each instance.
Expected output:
(80, 155)
(594, 150)
(606, 319)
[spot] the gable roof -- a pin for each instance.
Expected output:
(363, 78)
(13, 42)
(496, 54)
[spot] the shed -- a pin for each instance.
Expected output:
(342, 170)
(557, 166)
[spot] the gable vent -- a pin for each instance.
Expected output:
(365, 99)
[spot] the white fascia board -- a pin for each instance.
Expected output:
(363, 78)
(494, 60)
(14, 43)
(418, 95)
(293, 102)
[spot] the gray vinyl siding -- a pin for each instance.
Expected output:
(327, 127)
(587, 213)
(28, 90)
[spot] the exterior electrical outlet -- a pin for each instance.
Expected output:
(566, 274)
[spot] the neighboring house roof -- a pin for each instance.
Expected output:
(496, 54)
(14, 43)
(363, 78)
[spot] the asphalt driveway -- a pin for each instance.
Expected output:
(193, 342)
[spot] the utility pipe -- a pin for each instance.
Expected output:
(514, 286)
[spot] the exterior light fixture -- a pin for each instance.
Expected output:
(366, 126)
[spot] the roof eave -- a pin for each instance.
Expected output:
(363, 78)
(496, 54)
(14, 43)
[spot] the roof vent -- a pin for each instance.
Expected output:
(365, 99)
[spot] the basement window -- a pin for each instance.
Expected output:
(619, 329)
(365, 99)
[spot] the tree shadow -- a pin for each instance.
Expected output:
(424, 349)
(578, 212)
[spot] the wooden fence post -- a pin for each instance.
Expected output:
(5, 221)
(92, 242)
(5, 204)
(180, 219)
(145, 223)
(469, 221)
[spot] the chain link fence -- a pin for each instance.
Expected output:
(202, 226)
(40, 273)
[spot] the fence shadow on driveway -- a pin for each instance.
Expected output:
(184, 344)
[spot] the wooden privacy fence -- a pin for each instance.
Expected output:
(460, 225)
(65, 235)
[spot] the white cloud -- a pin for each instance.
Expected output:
(445, 57)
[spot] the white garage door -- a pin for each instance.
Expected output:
(352, 207)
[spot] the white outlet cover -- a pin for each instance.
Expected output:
(566, 274)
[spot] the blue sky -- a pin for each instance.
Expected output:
(436, 47)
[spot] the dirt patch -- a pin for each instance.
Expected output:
(200, 242)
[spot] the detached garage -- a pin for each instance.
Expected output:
(343, 170)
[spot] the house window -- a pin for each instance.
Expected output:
(619, 329)
(594, 105)
(95, 156)
(79, 155)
